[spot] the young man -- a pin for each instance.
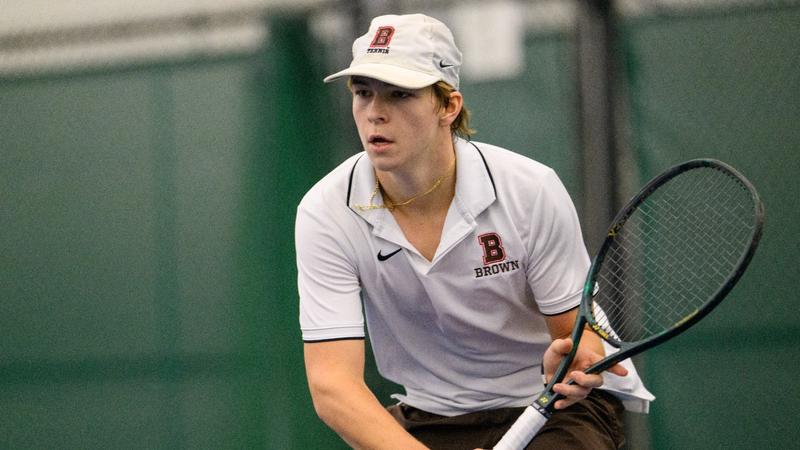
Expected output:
(468, 259)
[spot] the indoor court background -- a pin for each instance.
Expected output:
(152, 156)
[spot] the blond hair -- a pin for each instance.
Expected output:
(460, 126)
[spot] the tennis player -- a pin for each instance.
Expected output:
(463, 260)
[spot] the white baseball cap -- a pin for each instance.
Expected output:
(410, 51)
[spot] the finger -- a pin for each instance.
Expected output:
(565, 403)
(587, 359)
(572, 393)
(586, 380)
(618, 369)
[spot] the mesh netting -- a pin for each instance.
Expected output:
(673, 253)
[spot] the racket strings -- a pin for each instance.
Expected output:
(672, 253)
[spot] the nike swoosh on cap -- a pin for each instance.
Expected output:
(382, 257)
(443, 65)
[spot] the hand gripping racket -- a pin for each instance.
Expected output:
(671, 255)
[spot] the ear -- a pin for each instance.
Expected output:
(450, 111)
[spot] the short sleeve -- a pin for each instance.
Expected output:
(558, 261)
(327, 279)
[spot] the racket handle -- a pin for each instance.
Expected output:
(524, 429)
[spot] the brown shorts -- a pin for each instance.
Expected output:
(593, 423)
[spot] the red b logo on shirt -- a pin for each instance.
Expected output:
(492, 248)
(382, 37)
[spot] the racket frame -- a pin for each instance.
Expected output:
(535, 416)
(544, 403)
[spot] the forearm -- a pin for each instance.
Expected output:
(351, 410)
(343, 401)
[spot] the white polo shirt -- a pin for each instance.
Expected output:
(465, 331)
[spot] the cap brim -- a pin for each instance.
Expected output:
(398, 76)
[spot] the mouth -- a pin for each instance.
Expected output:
(378, 140)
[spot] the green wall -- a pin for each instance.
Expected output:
(534, 114)
(726, 85)
(147, 278)
(147, 273)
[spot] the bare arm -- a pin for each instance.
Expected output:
(590, 350)
(335, 372)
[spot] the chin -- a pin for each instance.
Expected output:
(382, 162)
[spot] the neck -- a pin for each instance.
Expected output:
(441, 188)
(430, 186)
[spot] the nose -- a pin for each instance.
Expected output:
(377, 110)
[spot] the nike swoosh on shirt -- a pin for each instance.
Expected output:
(443, 65)
(382, 257)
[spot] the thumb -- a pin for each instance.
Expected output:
(554, 354)
(561, 346)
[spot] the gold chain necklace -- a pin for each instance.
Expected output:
(390, 205)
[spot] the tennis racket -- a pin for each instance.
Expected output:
(671, 255)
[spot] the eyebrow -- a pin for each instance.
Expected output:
(358, 80)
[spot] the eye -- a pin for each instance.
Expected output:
(358, 92)
(401, 94)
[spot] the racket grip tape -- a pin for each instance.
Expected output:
(524, 429)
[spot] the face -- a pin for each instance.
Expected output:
(399, 128)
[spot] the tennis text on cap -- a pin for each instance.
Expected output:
(380, 42)
(493, 256)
